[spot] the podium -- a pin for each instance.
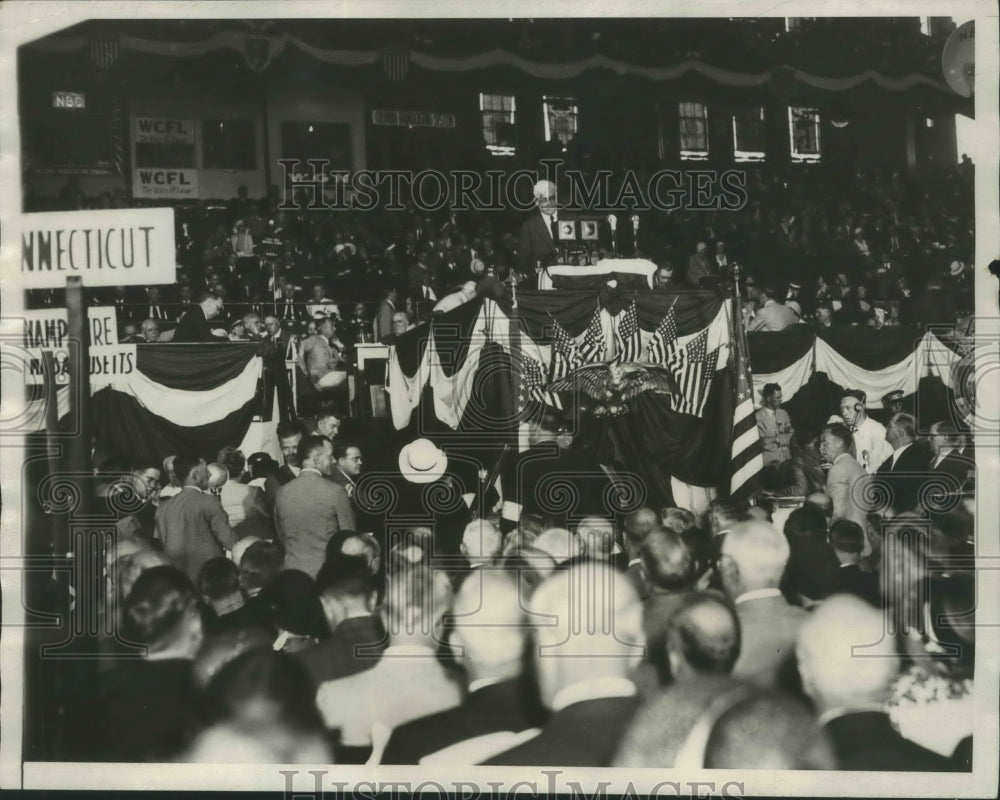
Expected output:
(373, 358)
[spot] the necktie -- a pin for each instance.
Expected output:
(554, 227)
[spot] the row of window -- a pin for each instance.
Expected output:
(560, 117)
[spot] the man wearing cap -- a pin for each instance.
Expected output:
(870, 447)
(892, 404)
(422, 463)
(537, 240)
(699, 266)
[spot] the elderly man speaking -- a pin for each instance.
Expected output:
(537, 241)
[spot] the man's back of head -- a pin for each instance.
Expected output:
(823, 502)
(598, 537)
(723, 514)
(754, 555)
(481, 542)
(346, 588)
(844, 656)
(638, 524)
(588, 625)
(703, 636)
(187, 468)
(488, 630)
(417, 597)
(667, 560)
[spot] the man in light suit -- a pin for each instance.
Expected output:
(845, 480)
(309, 509)
(773, 315)
(320, 357)
(774, 426)
(753, 560)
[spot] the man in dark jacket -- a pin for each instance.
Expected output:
(194, 327)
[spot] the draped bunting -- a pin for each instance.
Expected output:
(237, 41)
(144, 415)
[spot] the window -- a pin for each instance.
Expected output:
(498, 123)
(797, 23)
(560, 118)
(803, 133)
(694, 131)
(748, 135)
(228, 144)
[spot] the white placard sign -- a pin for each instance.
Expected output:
(47, 330)
(107, 247)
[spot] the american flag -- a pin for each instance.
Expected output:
(747, 460)
(104, 53)
(592, 348)
(565, 353)
(694, 378)
(627, 340)
(533, 384)
(663, 345)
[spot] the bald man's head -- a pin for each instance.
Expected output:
(754, 555)
(667, 560)
(489, 629)
(703, 636)
(481, 542)
(588, 625)
(844, 654)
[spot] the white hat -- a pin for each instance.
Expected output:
(956, 268)
(242, 546)
(422, 462)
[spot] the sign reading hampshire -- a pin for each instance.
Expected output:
(109, 247)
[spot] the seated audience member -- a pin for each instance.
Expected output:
(774, 426)
(846, 481)
(192, 525)
(150, 711)
(751, 566)
(270, 698)
(813, 568)
(408, 682)
(823, 502)
(560, 543)
(583, 676)
(791, 739)
(773, 315)
(488, 637)
(849, 692)
(848, 543)
(260, 565)
(638, 525)
(292, 604)
(530, 567)
(597, 535)
(219, 586)
(348, 593)
(244, 504)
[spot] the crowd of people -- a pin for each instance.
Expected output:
(281, 614)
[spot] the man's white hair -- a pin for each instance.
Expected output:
(543, 189)
(760, 551)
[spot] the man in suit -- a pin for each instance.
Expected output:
(699, 266)
(904, 471)
(773, 315)
(848, 691)
(754, 555)
(311, 508)
(347, 465)
(488, 638)
(349, 594)
(583, 667)
(848, 543)
(408, 682)
(701, 645)
(194, 327)
(320, 358)
(154, 307)
(290, 434)
(638, 525)
(538, 239)
(279, 339)
(846, 477)
(192, 524)
(948, 445)
(382, 323)
(774, 426)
